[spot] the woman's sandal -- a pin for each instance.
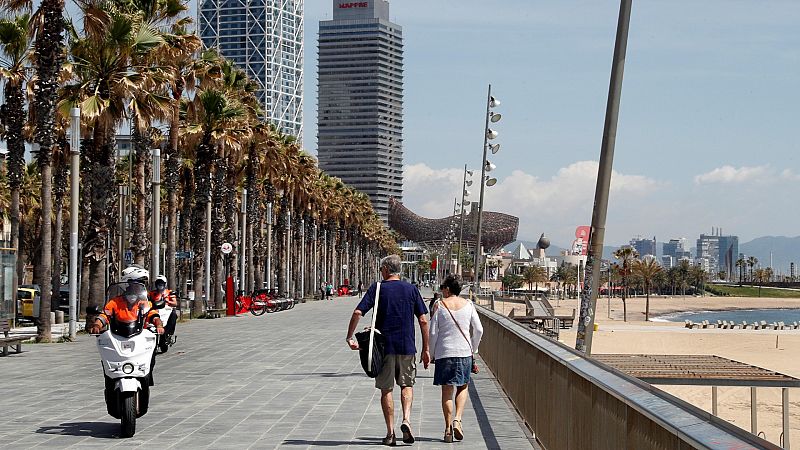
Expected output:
(458, 432)
(448, 436)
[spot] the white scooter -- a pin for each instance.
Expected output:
(168, 339)
(127, 351)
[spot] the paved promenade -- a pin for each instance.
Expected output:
(283, 380)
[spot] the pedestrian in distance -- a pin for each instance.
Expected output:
(398, 305)
(452, 350)
(329, 290)
(360, 288)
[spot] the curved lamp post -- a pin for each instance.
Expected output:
(486, 166)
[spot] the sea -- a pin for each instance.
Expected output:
(735, 315)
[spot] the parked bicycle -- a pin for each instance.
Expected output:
(255, 304)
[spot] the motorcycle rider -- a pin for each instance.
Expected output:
(125, 308)
(162, 294)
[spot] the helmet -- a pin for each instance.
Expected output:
(135, 273)
(161, 283)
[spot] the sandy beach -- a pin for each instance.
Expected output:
(771, 349)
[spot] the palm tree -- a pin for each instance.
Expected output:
(741, 263)
(752, 261)
(647, 271)
(626, 255)
(109, 67)
(15, 46)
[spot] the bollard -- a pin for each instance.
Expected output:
(52, 317)
(59, 317)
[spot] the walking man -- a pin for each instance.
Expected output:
(399, 304)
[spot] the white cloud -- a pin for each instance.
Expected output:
(554, 205)
(730, 174)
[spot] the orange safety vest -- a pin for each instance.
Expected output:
(118, 307)
(168, 295)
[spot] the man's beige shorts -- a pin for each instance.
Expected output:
(397, 368)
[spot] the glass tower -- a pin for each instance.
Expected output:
(265, 38)
(360, 108)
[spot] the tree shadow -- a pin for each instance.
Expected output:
(101, 430)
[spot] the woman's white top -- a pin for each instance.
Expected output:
(445, 340)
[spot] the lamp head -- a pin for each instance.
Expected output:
(491, 134)
(494, 148)
(469, 172)
(495, 117)
(491, 181)
(469, 183)
(489, 166)
(493, 102)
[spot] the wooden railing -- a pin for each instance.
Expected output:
(573, 402)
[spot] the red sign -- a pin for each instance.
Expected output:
(582, 232)
(354, 5)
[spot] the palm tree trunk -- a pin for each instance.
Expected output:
(44, 266)
(57, 247)
(647, 304)
(139, 236)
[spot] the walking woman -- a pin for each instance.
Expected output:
(452, 348)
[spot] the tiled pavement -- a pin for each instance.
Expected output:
(283, 380)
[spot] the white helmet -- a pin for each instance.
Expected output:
(160, 283)
(162, 278)
(135, 273)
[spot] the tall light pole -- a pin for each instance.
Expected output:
(243, 252)
(583, 340)
(268, 265)
(155, 267)
(75, 162)
(464, 194)
(486, 166)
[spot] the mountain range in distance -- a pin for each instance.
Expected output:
(784, 250)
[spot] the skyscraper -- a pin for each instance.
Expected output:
(644, 246)
(264, 38)
(721, 252)
(360, 110)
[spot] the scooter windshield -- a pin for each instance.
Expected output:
(129, 290)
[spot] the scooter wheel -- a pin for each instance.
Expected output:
(163, 345)
(128, 419)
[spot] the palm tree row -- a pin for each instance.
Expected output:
(133, 62)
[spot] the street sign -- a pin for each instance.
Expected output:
(184, 255)
(128, 257)
(227, 248)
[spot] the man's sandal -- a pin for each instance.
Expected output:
(408, 438)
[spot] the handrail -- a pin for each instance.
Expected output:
(571, 401)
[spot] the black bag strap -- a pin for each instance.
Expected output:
(458, 326)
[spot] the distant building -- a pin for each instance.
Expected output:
(644, 246)
(265, 39)
(721, 252)
(676, 248)
(360, 110)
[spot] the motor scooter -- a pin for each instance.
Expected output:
(126, 351)
(168, 318)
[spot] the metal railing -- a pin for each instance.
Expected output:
(570, 401)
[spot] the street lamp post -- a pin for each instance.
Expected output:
(75, 156)
(156, 261)
(464, 194)
(243, 251)
(486, 166)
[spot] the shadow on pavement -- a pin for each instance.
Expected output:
(484, 422)
(104, 430)
(362, 441)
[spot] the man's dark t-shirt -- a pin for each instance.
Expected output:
(399, 305)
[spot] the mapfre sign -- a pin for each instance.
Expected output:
(354, 5)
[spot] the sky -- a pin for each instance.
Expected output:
(708, 130)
